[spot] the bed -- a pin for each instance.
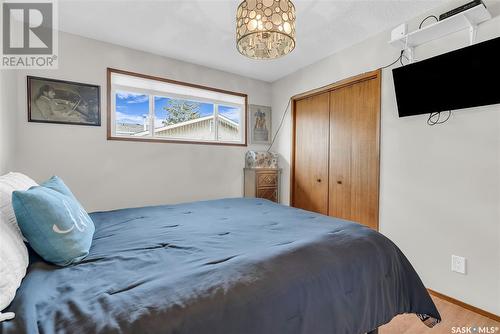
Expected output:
(223, 266)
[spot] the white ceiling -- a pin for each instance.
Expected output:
(203, 31)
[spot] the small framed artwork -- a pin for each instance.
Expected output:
(63, 102)
(260, 124)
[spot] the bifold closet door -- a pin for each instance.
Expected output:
(310, 173)
(354, 152)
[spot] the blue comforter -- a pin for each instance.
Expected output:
(226, 266)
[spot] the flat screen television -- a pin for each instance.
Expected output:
(465, 78)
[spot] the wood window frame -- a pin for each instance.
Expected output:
(109, 118)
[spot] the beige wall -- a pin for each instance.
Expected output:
(113, 174)
(8, 101)
(440, 186)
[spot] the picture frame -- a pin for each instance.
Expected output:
(63, 102)
(260, 124)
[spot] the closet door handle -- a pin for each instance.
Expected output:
(319, 180)
(339, 182)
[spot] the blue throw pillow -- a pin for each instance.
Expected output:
(54, 223)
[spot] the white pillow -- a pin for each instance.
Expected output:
(8, 183)
(13, 263)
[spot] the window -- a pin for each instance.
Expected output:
(146, 108)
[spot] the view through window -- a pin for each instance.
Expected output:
(145, 108)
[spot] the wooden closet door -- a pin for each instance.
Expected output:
(310, 174)
(354, 152)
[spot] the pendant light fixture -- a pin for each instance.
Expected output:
(265, 29)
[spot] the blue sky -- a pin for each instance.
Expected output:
(231, 113)
(132, 108)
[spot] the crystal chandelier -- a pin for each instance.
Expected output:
(265, 29)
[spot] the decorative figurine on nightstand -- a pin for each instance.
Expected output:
(262, 175)
(255, 159)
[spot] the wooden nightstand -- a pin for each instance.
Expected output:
(263, 183)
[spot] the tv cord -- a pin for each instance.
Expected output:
(428, 17)
(435, 118)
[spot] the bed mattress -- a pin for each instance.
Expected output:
(224, 266)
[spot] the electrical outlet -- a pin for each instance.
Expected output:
(458, 264)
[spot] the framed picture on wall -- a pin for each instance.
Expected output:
(260, 124)
(63, 102)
